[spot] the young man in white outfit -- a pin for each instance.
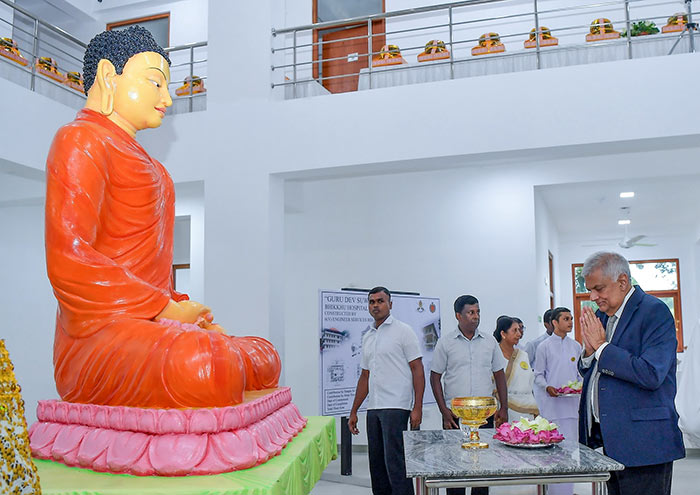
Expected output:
(392, 376)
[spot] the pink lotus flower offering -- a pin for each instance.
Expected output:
(572, 387)
(527, 431)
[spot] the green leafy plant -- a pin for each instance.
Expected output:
(641, 28)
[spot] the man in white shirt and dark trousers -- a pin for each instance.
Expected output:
(468, 362)
(392, 376)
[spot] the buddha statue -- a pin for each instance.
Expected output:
(124, 336)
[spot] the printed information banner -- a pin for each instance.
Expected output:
(344, 318)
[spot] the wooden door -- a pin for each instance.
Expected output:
(333, 43)
(351, 55)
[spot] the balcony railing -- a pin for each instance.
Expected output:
(188, 76)
(302, 66)
(33, 39)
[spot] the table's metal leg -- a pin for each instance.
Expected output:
(600, 488)
(420, 486)
(423, 489)
(542, 489)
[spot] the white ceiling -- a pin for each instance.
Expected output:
(590, 210)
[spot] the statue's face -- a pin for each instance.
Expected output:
(141, 93)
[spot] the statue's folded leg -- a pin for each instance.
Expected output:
(142, 363)
(262, 363)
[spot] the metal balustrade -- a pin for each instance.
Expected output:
(36, 38)
(188, 63)
(298, 61)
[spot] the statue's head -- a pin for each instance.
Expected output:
(126, 78)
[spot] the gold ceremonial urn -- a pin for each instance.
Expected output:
(473, 411)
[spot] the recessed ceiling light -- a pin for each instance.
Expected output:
(629, 194)
(623, 222)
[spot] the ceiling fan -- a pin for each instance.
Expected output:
(628, 242)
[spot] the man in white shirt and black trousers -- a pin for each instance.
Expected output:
(392, 375)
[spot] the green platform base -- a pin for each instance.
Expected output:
(294, 472)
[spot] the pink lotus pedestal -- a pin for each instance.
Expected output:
(166, 442)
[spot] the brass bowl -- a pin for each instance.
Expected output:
(473, 412)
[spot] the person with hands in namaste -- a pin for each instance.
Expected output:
(628, 364)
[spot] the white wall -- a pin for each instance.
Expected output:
(189, 201)
(61, 13)
(188, 18)
(30, 309)
(546, 241)
(30, 111)
(6, 15)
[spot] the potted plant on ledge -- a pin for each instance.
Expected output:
(642, 28)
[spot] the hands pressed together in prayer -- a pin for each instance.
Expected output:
(592, 331)
(190, 312)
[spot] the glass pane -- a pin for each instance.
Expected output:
(333, 10)
(580, 283)
(590, 304)
(655, 276)
(668, 300)
(159, 28)
(649, 276)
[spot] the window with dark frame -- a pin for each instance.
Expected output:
(173, 275)
(659, 278)
(157, 24)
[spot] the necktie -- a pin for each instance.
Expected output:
(609, 328)
(596, 374)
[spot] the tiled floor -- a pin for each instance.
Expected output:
(685, 479)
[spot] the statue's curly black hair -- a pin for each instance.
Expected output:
(117, 46)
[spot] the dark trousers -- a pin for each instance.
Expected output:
(477, 490)
(654, 479)
(387, 464)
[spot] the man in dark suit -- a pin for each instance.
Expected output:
(629, 374)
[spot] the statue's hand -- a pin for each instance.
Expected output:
(186, 312)
(215, 327)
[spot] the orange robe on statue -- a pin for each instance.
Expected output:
(109, 250)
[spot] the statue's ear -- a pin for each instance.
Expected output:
(106, 81)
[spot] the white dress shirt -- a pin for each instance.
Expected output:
(386, 352)
(531, 347)
(467, 365)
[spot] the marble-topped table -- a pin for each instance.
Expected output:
(437, 460)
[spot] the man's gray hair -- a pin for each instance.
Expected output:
(611, 264)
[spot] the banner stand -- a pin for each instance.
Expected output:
(345, 448)
(344, 319)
